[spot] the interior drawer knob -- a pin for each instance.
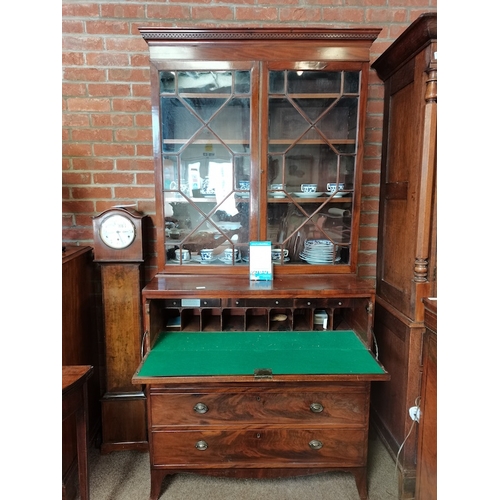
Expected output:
(316, 407)
(201, 445)
(315, 444)
(200, 408)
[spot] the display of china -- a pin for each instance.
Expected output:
(206, 254)
(308, 188)
(276, 253)
(186, 254)
(229, 252)
(244, 185)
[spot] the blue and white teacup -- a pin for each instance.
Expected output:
(186, 254)
(229, 252)
(276, 253)
(207, 254)
(308, 188)
(335, 186)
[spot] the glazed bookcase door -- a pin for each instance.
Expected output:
(312, 156)
(238, 140)
(207, 149)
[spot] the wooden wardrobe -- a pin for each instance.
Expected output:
(406, 253)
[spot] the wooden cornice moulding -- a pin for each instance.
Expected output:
(418, 35)
(190, 34)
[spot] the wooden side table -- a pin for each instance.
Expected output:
(75, 401)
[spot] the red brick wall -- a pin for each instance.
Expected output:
(106, 123)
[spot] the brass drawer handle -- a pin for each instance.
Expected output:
(316, 407)
(201, 445)
(315, 444)
(200, 408)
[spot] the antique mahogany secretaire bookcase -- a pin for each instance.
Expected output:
(249, 378)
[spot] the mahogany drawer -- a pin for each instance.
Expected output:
(310, 408)
(259, 448)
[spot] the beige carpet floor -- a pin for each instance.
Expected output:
(124, 475)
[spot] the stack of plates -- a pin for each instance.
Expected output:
(318, 252)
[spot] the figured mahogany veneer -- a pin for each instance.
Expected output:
(258, 429)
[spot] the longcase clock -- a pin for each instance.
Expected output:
(119, 250)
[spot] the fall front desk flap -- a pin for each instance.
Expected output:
(178, 354)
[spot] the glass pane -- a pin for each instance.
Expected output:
(219, 82)
(314, 82)
(242, 82)
(285, 122)
(204, 108)
(351, 82)
(170, 173)
(178, 123)
(232, 124)
(276, 82)
(167, 82)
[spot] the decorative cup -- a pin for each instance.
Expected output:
(244, 185)
(308, 188)
(206, 254)
(335, 186)
(276, 253)
(277, 187)
(186, 254)
(229, 252)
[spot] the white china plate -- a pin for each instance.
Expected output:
(309, 195)
(325, 243)
(278, 261)
(317, 256)
(277, 195)
(339, 194)
(197, 258)
(229, 261)
(184, 261)
(315, 259)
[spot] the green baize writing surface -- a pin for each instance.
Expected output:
(241, 353)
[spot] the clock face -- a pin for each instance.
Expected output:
(117, 231)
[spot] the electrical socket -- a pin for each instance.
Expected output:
(414, 412)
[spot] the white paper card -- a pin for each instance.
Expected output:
(261, 264)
